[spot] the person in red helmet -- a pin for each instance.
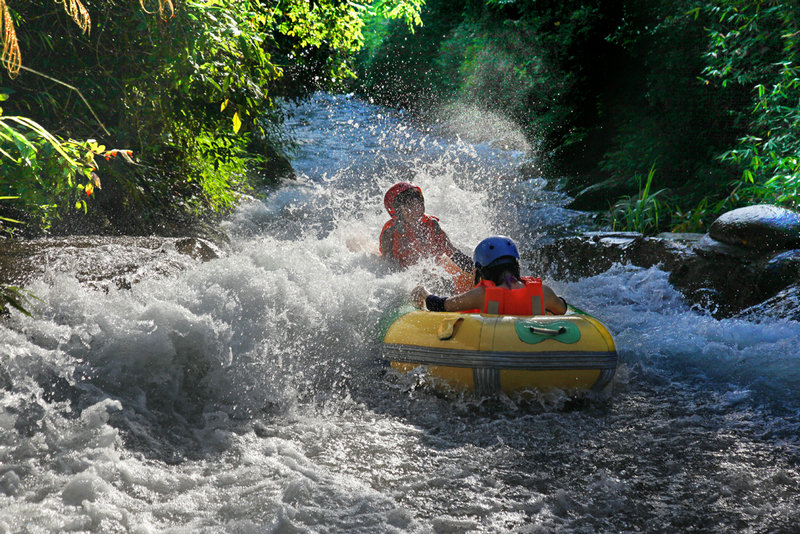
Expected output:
(411, 235)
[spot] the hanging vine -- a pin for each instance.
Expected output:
(163, 5)
(12, 56)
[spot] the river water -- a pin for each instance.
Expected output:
(245, 394)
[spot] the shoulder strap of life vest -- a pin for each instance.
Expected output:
(388, 226)
(523, 301)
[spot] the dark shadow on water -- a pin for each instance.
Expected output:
(655, 457)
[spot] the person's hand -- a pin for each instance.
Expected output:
(418, 296)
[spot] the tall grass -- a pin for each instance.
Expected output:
(641, 213)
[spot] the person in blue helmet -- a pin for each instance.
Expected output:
(499, 288)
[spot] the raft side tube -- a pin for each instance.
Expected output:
(488, 353)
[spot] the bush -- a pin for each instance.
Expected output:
(43, 175)
(754, 47)
(189, 91)
(643, 213)
(603, 88)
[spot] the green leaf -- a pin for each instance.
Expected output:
(237, 123)
(14, 303)
(36, 127)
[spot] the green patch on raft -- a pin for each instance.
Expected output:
(391, 316)
(533, 332)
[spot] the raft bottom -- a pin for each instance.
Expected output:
(490, 380)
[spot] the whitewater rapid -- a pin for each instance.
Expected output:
(246, 394)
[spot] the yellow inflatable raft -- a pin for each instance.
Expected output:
(489, 353)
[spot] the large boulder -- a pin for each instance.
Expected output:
(197, 248)
(724, 279)
(780, 271)
(759, 227)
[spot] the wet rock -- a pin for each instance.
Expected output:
(197, 248)
(783, 305)
(780, 271)
(101, 262)
(681, 237)
(720, 277)
(594, 253)
(710, 248)
(761, 227)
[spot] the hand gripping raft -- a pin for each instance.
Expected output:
(491, 353)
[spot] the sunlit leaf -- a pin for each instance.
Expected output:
(237, 123)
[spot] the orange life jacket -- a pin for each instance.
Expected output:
(528, 300)
(408, 247)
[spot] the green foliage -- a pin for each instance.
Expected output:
(698, 218)
(756, 45)
(709, 88)
(522, 60)
(42, 173)
(692, 220)
(668, 113)
(190, 94)
(397, 67)
(641, 213)
(200, 97)
(601, 88)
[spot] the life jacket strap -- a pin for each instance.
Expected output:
(536, 304)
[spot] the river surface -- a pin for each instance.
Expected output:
(244, 394)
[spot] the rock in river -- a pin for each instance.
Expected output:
(761, 227)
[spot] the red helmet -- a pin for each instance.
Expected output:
(396, 189)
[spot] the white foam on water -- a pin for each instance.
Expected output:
(288, 317)
(656, 329)
(243, 394)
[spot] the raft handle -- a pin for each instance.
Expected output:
(447, 328)
(548, 331)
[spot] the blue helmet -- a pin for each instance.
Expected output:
(494, 248)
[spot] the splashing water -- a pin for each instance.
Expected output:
(244, 394)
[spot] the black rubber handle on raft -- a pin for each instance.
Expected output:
(548, 331)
